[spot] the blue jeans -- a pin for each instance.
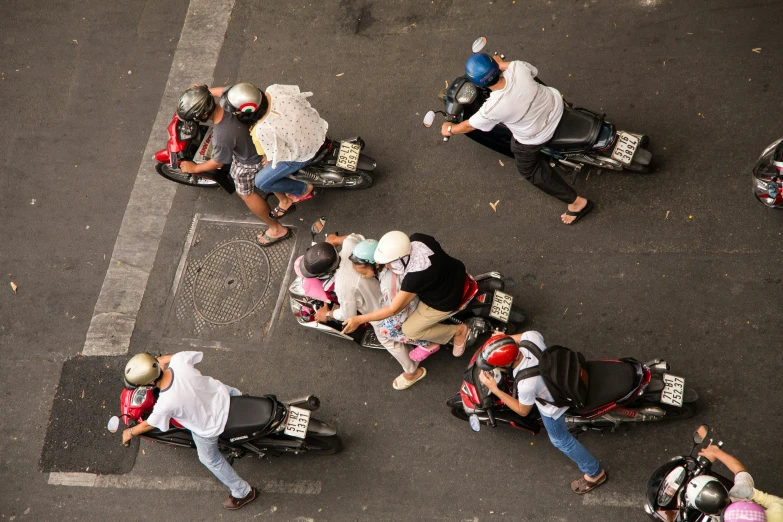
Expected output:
(563, 440)
(209, 455)
(273, 179)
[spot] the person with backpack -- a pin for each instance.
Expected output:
(543, 379)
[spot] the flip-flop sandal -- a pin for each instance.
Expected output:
(280, 212)
(581, 485)
(420, 353)
(272, 240)
(297, 199)
(579, 215)
(401, 383)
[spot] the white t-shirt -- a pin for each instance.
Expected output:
(529, 110)
(529, 389)
(354, 292)
(293, 130)
(198, 402)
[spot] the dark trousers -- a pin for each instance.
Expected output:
(535, 168)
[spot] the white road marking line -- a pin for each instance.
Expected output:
(596, 498)
(114, 316)
(91, 480)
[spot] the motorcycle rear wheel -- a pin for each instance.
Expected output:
(674, 413)
(323, 445)
(177, 176)
(358, 180)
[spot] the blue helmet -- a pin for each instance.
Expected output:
(364, 252)
(482, 69)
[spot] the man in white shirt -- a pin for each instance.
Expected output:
(529, 391)
(199, 403)
(531, 111)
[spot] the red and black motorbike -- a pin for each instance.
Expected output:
(338, 164)
(255, 425)
(620, 391)
(768, 176)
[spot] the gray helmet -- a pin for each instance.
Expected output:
(195, 104)
(244, 100)
(141, 370)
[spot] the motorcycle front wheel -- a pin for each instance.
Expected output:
(177, 176)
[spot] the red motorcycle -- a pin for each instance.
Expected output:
(255, 425)
(620, 391)
(337, 164)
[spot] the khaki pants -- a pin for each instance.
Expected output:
(399, 351)
(423, 324)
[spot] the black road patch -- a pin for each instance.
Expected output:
(77, 439)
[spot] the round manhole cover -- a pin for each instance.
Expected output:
(231, 282)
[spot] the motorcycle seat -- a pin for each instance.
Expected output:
(609, 381)
(247, 415)
(578, 129)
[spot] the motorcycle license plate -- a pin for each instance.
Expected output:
(501, 306)
(348, 157)
(297, 422)
(673, 390)
(625, 147)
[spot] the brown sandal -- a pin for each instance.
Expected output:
(581, 485)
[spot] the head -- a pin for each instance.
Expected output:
(143, 369)
(743, 512)
(363, 258)
(196, 104)
(393, 250)
(320, 261)
(500, 351)
(707, 495)
(482, 70)
(246, 101)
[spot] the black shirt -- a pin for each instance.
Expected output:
(439, 286)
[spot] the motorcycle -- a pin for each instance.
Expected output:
(583, 138)
(768, 179)
(621, 391)
(667, 485)
(337, 164)
(255, 425)
(485, 307)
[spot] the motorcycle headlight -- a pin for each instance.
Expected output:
(762, 185)
(297, 288)
(467, 93)
(186, 130)
(139, 394)
(670, 485)
(770, 148)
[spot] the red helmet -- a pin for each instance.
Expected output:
(499, 350)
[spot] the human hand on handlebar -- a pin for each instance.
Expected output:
(711, 452)
(351, 324)
(188, 167)
(126, 437)
(488, 380)
(445, 129)
(320, 314)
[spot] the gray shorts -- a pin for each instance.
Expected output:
(244, 177)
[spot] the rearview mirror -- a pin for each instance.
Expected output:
(475, 423)
(318, 226)
(479, 44)
(114, 424)
(700, 434)
(429, 119)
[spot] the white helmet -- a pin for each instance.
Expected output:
(244, 100)
(392, 246)
(141, 370)
(706, 495)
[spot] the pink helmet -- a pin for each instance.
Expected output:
(744, 512)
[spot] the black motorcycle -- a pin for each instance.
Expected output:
(582, 138)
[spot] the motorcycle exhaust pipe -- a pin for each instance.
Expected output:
(616, 418)
(658, 367)
(310, 402)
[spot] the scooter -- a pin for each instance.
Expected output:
(582, 139)
(767, 178)
(255, 425)
(337, 164)
(667, 485)
(621, 391)
(485, 307)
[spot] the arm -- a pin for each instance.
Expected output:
(501, 64)
(137, 430)
(459, 128)
(714, 453)
(765, 500)
(217, 92)
(335, 240)
(189, 167)
(400, 301)
(488, 380)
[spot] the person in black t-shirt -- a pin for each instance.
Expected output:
(430, 273)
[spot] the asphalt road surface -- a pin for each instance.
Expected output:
(681, 264)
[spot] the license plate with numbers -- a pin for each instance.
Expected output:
(348, 157)
(625, 147)
(297, 422)
(501, 306)
(673, 390)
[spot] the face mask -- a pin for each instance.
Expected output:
(397, 267)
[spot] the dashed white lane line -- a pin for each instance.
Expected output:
(114, 316)
(596, 498)
(91, 480)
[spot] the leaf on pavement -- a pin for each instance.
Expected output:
(338, 75)
(501, 163)
(494, 205)
(255, 38)
(14, 286)
(756, 50)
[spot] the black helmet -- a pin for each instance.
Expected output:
(706, 494)
(320, 260)
(195, 104)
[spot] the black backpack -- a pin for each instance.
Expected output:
(563, 372)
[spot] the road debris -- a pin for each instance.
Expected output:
(501, 163)
(338, 75)
(756, 50)
(495, 205)
(14, 286)
(667, 215)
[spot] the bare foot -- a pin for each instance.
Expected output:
(578, 204)
(273, 232)
(413, 376)
(596, 479)
(459, 340)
